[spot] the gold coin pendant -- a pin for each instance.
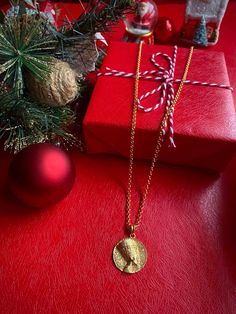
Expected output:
(130, 255)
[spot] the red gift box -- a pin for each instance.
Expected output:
(204, 117)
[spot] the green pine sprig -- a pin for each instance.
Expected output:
(24, 122)
(98, 16)
(25, 46)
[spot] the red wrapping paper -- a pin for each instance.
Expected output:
(204, 118)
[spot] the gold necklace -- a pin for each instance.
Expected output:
(129, 254)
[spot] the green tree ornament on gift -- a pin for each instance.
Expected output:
(200, 35)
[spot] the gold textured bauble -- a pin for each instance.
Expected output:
(58, 89)
(130, 255)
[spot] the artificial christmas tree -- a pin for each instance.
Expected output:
(200, 36)
(42, 70)
(213, 12)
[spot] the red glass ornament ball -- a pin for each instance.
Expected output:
(41, 175)
(164, 30)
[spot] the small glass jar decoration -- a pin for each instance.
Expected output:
(142, 23)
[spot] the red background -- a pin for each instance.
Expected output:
(58, 260)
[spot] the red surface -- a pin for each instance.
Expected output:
(204, 118)
(58, 260)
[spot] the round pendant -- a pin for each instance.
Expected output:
(130, 255)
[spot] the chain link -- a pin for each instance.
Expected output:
(160, 139)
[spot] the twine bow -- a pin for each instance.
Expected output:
(165, 89)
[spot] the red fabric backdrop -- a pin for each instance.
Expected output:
(58, 260)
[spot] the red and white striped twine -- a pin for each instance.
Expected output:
(165, 77)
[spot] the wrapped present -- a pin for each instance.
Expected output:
(202, 131)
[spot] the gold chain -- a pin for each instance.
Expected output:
(160, 139)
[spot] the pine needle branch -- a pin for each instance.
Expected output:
(25, 45)
(24, 122)
(99, 16)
